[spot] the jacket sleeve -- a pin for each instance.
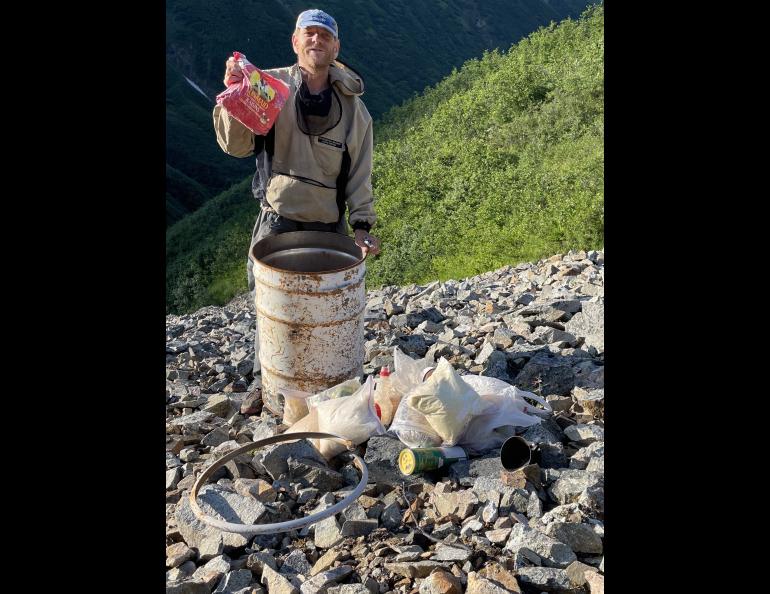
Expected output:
(233, 137)
(359, 195)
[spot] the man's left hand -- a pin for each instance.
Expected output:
(369, 243)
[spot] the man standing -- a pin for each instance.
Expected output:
(317, 158)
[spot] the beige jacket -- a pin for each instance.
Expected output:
(301, 157)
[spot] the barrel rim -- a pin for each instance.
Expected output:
(306, 233)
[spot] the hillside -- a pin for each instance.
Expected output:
(386, 44)
(499, 163)
(473, 526)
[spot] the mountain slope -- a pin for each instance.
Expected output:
(399, 49)
(499, 163)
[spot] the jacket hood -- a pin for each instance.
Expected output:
(345, 79)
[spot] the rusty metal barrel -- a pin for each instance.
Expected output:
(310, 300)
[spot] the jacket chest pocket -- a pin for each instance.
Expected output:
(328, 154)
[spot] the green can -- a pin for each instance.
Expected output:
(412, 460)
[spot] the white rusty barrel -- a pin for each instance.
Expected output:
(310, 299)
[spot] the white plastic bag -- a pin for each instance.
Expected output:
(503, 412)
(407, 372)
(412, 428)
(351, 417)
(447, 402)
(294, 405)
(345, 388)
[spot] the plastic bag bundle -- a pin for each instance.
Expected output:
(447, 402)
(346, 388)
(504, 409)
(351, 417)
(407, 372)
(257, 100)
(413, 429)
(294, 405)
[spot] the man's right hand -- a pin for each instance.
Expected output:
(233, 73)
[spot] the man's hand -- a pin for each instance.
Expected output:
(233, 73)
(368, 243)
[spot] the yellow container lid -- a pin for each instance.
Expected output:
(406, 461)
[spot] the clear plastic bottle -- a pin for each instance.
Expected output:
(383, 396)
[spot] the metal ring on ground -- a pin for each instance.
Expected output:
(253, 529)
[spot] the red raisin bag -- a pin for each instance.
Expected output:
(256, 101)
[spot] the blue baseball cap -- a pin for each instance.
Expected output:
(317, 18)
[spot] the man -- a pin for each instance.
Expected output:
(317, 158)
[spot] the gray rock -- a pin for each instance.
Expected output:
(305, 495)
(218, 404)
(276, 583)
(481, 585)
(547, 431)
(571, 484)
(584, 434)
(256, 561)
(583, 456)
(349, 589)
(178, 553)
(596, 465)
(210, 547)
(195, 418)
(552, 552)
(187, 587)
(294, 563)
(581, 538)
(466, 471)
(497, 366)
(443, 530)
(215, 437)
(273, 459)
(546, 376)
(589, 325)
(310, 473)
(552, 455)
(447, 553)
(172, 477)
(358, 527)
(210, 498)
(391, 517)
(327, 533)
(320, 583)
(549, 579)
(418, 569)
(234, 581)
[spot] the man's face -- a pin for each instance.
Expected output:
(315, 47)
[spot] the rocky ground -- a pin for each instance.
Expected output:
(471, 527)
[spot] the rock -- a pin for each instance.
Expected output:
(584, 434)
(596, 465)
(481, 585)
(352, 589)
(178, 553)
(572, 483)
(234, 581)
(443, 530)
(460, 503)
(215, 437)
(441, 582)
(534, 506)
(581, 538)
(595, 582)
(419, 569)
(172, 477)
(212, 571)
(391, 517)
(552, 552)
(546, 376)
(576, 572)
(218, 404)
(257, 561)
(187, 587)
(496, 366)
(448, 553)
(497, 574)
(546, 431)
(294, 563)
(589, 325)
(210, 547)
(327, 533)
(213, 499)
(310, 473)
(498, 536)
(549, 579)
(325, 561)
(276, 583)
(273, 459)
(320, 583)
(305, 495)
(358, 527)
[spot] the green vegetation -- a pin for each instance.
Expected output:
(501, 162)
